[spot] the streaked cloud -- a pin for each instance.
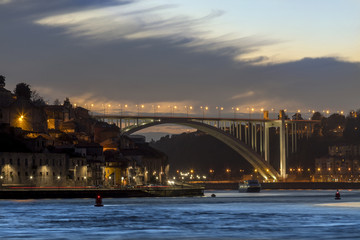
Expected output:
(227, 29)
(143, 20)
(243, 95)
(5, 1)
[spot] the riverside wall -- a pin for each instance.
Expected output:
(286, 185)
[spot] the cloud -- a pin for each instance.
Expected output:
(5, 1)
(243, 95)
(142, 20)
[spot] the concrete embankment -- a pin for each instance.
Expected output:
(21, 193)
(286, 185)
(311, 185)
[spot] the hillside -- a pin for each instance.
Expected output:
(201, 152)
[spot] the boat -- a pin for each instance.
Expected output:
(250, 186)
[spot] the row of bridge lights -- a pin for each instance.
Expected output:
(330, 169)
(188, 109)
(228, 170)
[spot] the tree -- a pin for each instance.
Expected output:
(57, 102)
(37, 99)
(333, 125)
(285, 116)
(317, 116)
(2, 81)
(23, 90)
(352, 129)
(317, 127)
(297, 116)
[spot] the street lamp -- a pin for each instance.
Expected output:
(203, 110)
(109, 106)
(138, 109)
(219, 111)
(90, 107)
(235, 109)
(188, 109)
(155, 107)
(172, 110)
(121, 108)
(252, 111)
(175, 107)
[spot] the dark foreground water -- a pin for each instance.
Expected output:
(231, 215)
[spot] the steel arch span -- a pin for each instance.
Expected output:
(263, 167)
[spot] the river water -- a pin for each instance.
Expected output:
(230, 215)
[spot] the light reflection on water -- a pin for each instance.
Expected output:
(230, 215)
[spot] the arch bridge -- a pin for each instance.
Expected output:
(248, 137)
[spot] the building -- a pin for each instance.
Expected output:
(136, 163)
(42, 169)
(342, 164)
(93, 153)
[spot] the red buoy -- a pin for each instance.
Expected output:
(98, 201)
(337, 195)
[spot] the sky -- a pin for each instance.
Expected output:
(262, 54)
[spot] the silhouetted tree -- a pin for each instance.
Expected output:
(2, 81)
(67, 102)
(317, 116)
(333, 125)
(37, 99)
(56, 102)
(285, 116)
(352, 129)
(23, 90)
(317, 127)
(297, 116)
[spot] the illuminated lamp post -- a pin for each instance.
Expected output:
(138, 109)
(235, 109)
(261, 112)
(219, 115)
(175, 107)
(155, 107)
(250, 112)
(109, 106)
(121, 109)
(203, 110)
(188, 109)
(219, 111)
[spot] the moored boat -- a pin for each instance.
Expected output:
(250, 186)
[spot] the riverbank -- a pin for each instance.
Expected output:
(284, 185)
(157, 191)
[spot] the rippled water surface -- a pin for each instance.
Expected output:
(230, 215)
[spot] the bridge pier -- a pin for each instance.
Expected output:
(282, 151)
(282, 127)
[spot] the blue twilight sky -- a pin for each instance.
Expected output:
(281, 54)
